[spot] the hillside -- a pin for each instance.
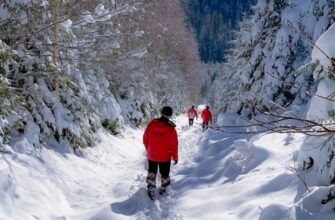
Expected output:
(215, 23)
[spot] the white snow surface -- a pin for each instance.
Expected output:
(325, 48)
(321, 108)
(219, 176)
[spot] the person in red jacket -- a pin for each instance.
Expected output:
(161, 143)
(206, 116)
(191, 114)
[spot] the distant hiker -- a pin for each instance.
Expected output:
(206, 116)
(161, 143)
(191, 114)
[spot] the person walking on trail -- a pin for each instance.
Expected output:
(206, 116)
(161, 143)
(191, 114)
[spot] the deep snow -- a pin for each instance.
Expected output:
(219, 176)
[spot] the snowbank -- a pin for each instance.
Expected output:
(324, 48)
(53, 183)
(321, 108)
(230, 119)
(316, 164)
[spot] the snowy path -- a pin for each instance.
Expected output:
(236, 177)
(131, 201)
(219, 176)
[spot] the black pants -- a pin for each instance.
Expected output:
(190, 121)
(205, 125)
(164, 170)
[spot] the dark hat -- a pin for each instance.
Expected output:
(167, 110)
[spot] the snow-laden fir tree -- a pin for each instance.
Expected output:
(316, 156)
(214, 22)
(270, 66)
(268, 50)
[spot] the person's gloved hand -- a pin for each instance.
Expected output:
(175, 162)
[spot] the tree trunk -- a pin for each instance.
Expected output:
(55, 10)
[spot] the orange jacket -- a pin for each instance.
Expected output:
(192, 113)
(160, 140)
(206, 115)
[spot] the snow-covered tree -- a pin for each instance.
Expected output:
(162, 60)
(316, 156)
(271, 66)
(77, 66)
(214, 22)
(269, 49)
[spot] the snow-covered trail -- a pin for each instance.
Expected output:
(131, 201)
(219, 176)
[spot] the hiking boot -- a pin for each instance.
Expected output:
(151, 192)
(162, 191)
(165, 182)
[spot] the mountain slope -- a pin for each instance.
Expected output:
(215, 23)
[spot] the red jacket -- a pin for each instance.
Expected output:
(206, 115)
(192, 113)
(160, 140)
